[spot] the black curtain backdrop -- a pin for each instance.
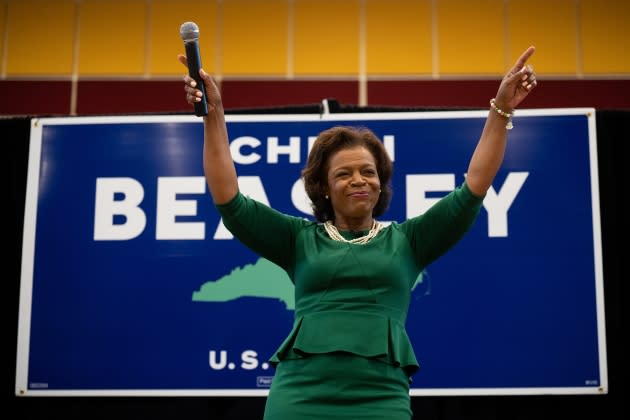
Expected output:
(613, 131)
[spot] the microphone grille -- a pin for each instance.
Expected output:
(189, 31)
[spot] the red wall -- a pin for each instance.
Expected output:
(23, 97)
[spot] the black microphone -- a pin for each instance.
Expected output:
(189, 31)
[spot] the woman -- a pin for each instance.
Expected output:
(348, 355)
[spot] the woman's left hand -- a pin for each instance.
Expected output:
(517, 84)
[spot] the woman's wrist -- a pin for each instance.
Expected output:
(502, 112)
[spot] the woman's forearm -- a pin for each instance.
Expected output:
(218, 165)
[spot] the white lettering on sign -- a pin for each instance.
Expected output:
(107, 205)
(496, 204)
(119, 216)
(169, 207)
(245, 149)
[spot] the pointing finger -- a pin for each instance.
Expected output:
(520, 63)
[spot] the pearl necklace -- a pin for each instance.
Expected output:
(334, 234)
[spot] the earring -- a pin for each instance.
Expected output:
(326, 196)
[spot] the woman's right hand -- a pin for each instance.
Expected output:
(193, 94)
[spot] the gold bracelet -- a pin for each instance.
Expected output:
(508, 115)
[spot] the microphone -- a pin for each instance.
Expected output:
(189, 31)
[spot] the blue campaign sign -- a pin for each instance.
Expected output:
(131, 285)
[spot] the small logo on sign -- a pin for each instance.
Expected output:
(263, 381)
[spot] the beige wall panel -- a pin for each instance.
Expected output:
(255, 37)
(40, 37)
(606, 36)
(551, 27)
(471, 37)
(165, 42)
(112, 37)
(398, 36)
(326, 37)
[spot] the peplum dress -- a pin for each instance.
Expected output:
(348, 354)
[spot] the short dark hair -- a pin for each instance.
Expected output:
(330, 141)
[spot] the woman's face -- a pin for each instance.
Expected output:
(354, 185)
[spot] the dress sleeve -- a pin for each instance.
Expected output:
(438, 229)
(266, 231)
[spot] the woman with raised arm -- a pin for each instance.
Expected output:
(348, 355)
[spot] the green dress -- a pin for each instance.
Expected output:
(348, 355)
